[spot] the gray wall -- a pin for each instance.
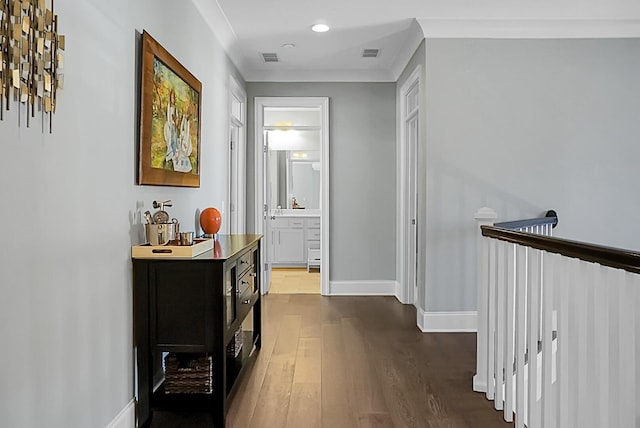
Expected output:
(362, 176)
(523, 126)
(71, 211)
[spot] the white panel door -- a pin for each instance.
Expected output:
(267, 247)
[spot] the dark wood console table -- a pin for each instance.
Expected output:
(196, 307)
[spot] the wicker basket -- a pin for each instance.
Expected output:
(188, 374)
(235, 345)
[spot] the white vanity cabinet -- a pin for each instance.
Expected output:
(291, 238)
(287, 240)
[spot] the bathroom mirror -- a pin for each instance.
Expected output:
(295, 174)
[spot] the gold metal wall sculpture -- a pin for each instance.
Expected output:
(30, 59)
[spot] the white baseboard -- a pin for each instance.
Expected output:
(362, 288)
(126, 418)
(451, 322)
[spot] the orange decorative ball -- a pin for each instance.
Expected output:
(210, 220)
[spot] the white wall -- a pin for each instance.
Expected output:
(362, 176)
(71, 211)
(523, 126)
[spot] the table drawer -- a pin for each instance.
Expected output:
(245, 262)
(246, 282)
(244, 303)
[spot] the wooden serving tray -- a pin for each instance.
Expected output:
(148, 251)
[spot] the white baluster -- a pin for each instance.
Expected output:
(601, 347)
(563, 358)
(576, 366)
(509, 356)
(614, 285)
(583, 296)
(491, 382)
(627, 351)
(634, 280)
(533, 324)
(500, 323)
(521, 329)
(484, 216)
(548, 356)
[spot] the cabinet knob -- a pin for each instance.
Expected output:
(246, 302)
(244, 262)
(253, 274)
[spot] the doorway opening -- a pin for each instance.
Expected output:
(292, 187)
(294, 281)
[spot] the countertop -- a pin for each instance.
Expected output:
(296, 213)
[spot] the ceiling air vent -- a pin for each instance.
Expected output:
(270, 57)
(370, 53)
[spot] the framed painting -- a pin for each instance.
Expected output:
(169, 120)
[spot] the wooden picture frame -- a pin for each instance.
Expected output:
(170, 105)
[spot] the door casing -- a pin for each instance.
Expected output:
(408, 188)
(261, 214)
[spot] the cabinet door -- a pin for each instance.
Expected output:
(289, 246)
(180, 296)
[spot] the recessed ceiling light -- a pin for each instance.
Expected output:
(320, 28)
(288, 45)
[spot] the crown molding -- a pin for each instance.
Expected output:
(318, 76)
(530, 28)
(219, 24)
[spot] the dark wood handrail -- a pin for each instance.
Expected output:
(606, 256)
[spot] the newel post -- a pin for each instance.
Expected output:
(484, 216)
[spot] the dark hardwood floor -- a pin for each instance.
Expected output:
(343, 362)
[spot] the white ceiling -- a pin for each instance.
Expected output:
(248, 28)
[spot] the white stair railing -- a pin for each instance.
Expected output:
(558, 334)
